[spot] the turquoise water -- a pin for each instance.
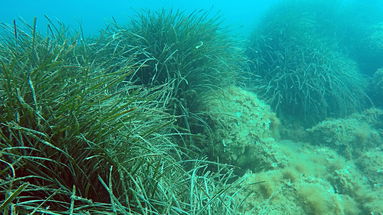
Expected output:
(94, 15)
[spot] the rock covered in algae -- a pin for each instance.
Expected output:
(315, 180)
(349, 136)
(243, 128)
(371, 164)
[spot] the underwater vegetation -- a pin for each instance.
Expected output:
(78, 137)
(187, 52)
(328, 152)
(169, 114)
(302, 74)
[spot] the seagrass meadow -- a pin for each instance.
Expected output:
(170, 113)
(80, 135)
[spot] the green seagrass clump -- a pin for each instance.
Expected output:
(77, 138)
(299, 71)
(189, 52)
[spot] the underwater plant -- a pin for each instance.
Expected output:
(78, 138)
(188, 52)
(301, 73)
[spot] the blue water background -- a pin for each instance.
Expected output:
(240, 16)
